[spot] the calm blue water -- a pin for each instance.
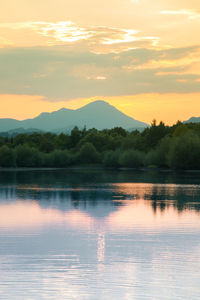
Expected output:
(99, 235)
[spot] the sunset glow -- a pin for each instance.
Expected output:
(145, 107)
(141, 56)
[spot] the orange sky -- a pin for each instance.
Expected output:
(141, 56)
(145, 107)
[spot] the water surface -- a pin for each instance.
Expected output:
(99, 235)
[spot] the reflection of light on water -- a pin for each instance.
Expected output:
(29, 215)
(143, 256)
(101, 247)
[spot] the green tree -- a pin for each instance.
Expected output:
(132, 159)
(158, 156)
(88, 154)
(184, 152)
(111, 158)
(7, 157)
(59, 159)
(75, 136)
(27, 156)
(154, 134)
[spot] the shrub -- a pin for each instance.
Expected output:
(158, 157)
(132, 159)
(7, 157)
(87, 154)
(184, 152)
(27, 157)
(111, 159)
(58, 159)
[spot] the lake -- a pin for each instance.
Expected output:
(89, 234)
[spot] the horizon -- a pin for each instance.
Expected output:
(76, 107)
(95, 101)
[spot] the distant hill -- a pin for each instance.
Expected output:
(14, 132)
(98, 114)
(193, 120)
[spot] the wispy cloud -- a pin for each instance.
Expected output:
(65, 31)
(120, 36)
(191, 14)
(99, 39)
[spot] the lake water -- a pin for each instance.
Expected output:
(91, 235)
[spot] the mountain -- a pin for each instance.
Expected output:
(193, 120)
(98, 114)
(16, 131)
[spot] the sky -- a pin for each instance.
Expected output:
(142, 56)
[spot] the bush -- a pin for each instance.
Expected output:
(58, 159)
(111, 159)
(27, 157)
(158, 157)
(7, 157)
(88, 154)
(132, 159)
(151, 158)
(184, 152)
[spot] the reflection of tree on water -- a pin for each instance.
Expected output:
(101, 208)
(104, 198)
(75, 177)
(91, 220)
(162, 197)
(97, 189)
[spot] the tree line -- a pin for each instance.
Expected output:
(175, 147)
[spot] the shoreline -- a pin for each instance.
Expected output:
(97, 168)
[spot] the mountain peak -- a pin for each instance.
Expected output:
(98, 114)
(62, 109)
(97, 103)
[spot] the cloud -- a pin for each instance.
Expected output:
(168, 64)
(62, 72)
(62, 31)
(98, 39)
(191, 14)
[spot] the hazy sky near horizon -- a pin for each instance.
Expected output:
(143, 56)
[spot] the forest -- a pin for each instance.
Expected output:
(158, 146)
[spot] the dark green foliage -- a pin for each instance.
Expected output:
(184, 152)
(132, 159)
(118, 131)
(175, 147)
(180, 130)
(63, 141)
(88, 154)
(157, 157)
(75, 136)
(154, 134)
(111, 159)
(134, 141)
(7, 157)
(58, 159)
(96, 138)
(27, 156)
(47, 143)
